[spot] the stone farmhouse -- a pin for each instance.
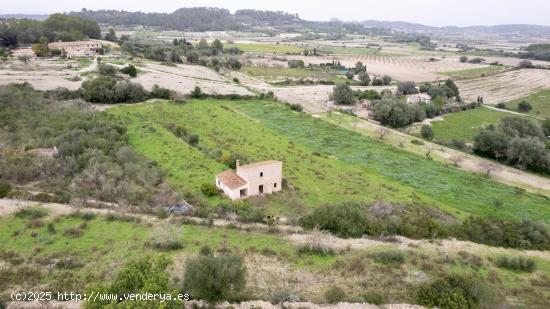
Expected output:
(419, 98)
(253, 179)
(77, 48)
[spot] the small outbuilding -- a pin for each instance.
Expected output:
(253, 179)
(77, 48)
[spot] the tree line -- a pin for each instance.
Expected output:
(57, 27)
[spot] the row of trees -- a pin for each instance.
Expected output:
(212, 55)
(364, 78)
(57, 27)
(515, 140)
(353, 219)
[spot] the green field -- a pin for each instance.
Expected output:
(357, 51)
(465, 125)
(540, 102)
(474, 72)
(266, 48)
(335, 76)
(323, 162)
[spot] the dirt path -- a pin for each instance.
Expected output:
(471, 163)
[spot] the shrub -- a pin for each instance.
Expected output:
(236, 80)
(524, 107)
(129, 70)
(516, 263)
(197, 92)
(209, 189)
(377, 82)
(107, 70)
(162, 93)
(427, 132)
(51, 228)
(31, 213)
(364, 79)
(141, 276)
(5, 188)
(193, 139)
(501, 105)
(374, 298)
(406, 88)
(334, 295)
(166, 236)
(390, 257)
(342, 94)
(72, 232)
(453, 291)
(296, 107)
(346, 219)
(214, 277)
(234, 63)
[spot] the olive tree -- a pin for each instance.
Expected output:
(342, 94)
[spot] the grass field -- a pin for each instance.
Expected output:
(322, 161)
(465, 125)
(322, 74)
(540, 102)
(266, 48)
(474, 72)
(358, 51)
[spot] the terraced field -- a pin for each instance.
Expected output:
(362, 167)
(506, 86)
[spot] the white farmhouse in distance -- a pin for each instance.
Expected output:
(253, 179)
(419, 98)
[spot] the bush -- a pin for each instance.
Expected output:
(193, 139)
(166, 236)
(342, 94)
(214, 277)
(162, 93)
(374, 298)
(107, 70)
(516, 263)
(427, 132)
(296, 107)
(364, 79)
(524, 107)
(51, 228)
(5, 188)
(145, 275)
(345, 219)
(390, 257)
(209, 189)
(501, 105)
(197, 92)
(31, 213)
(523, 234)
(129, 70)
(234, 63)
(453, 291)
(406, 88)
(334, 295)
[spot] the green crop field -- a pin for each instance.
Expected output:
(540, 102)
(323, 162)
(465, 125)
(474, 72)
(323, 74)
(266, 48)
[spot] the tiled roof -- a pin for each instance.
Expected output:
(231, 180)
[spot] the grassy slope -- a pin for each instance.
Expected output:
(540, 102)
(465, 125)
(364, 168)
(317, 179)
(104, 246)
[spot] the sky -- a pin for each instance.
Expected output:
(429, 12)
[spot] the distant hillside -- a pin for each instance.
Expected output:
(216, 19)
(27, 16)
(194, 19)
(521, 29)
